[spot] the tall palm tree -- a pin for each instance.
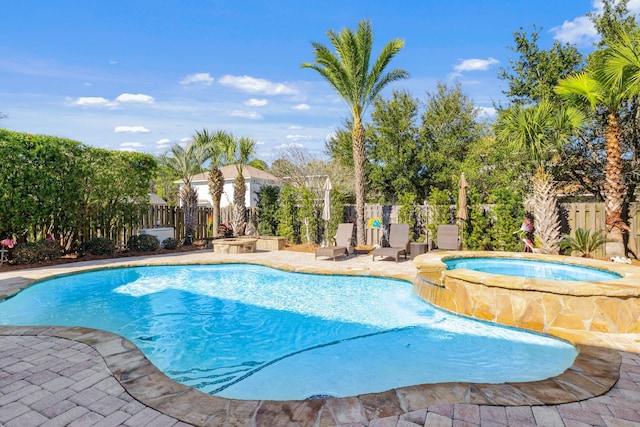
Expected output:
(357, 83)
(214, 145)
(238, 152)
(605, 87)
(539, 131)
(185, 163)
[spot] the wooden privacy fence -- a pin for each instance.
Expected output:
(572, 216)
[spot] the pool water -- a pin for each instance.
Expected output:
(531, 268)
(252, 332)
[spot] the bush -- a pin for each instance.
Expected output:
(170, 243)
(99, 246)
(143, 243)
(33, 252)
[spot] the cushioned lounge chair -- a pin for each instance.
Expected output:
(344, 243)
(448, 238)
(398, 243)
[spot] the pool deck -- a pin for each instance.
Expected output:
(81, 377)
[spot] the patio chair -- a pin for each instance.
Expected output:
(398, 243)
(448, 238)
(344, 243)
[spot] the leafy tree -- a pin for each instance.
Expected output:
(309, 212)
(41, 185)
(357, 83)
(537, 132)
(259, 164)
(339, 146)
(449, 128)
(478, 230)
(440, 210)
(268, 197)
(289, 225)
(535, 72)
(508, 213)
(396, 160)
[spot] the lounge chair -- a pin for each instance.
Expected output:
(448, 238)
(344, 243)
(398, 243)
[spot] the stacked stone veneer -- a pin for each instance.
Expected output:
(537, 304)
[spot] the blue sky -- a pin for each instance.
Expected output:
(144, 74)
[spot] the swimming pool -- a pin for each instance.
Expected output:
(533, 269)
(252, 332)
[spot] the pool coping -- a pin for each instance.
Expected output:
(593, 373)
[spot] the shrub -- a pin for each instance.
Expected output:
(143, 243)
(584, 241)
(170, 243)
(33, 252)
(99, 246)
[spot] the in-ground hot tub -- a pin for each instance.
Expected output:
(609, 301)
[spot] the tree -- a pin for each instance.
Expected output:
(449, 128)
(357, 83)
(215, 145)
(185, 163)
(533, 75)
(238, 152)
(538, 131)
(596, 89)
(396, 158)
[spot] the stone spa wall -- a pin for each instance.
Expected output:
(611, 306)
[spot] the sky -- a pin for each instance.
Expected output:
(141, 75)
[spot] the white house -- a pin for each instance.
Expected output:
(253, 178)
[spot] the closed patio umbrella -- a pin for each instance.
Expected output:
(326, 211)
(462, 215)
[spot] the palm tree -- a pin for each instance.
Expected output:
(539, 130)
(350, 74)
(605, 86)
(238, 152)
(185, 163)
(214, 145)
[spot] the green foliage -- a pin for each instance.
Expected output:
(143, 243)
(41, 184)
(338, 200)
(289, 222)
(99, 246)
(440, 210)
(508, 213)
(584, 241)
(408, 214)
(268, 197)
(395, 154)
(450, 127)
(535, 72)
(39, 251)
(309, 214)
(477, 230)
(170, 243)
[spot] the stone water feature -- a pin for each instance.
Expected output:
(611, 306)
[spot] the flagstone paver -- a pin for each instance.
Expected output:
(74, 376)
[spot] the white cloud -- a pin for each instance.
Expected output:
(298, 137)
(302, 107)
(253, 85)
(475, 64)
(131, 129)
(486, 112)
(256, 102)
(137, 98)
(246, 114)
(93, 101)
(163, 141)
(203, 79)
(290, 145)
(131, 144)
(294, 127)
(580, 31)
